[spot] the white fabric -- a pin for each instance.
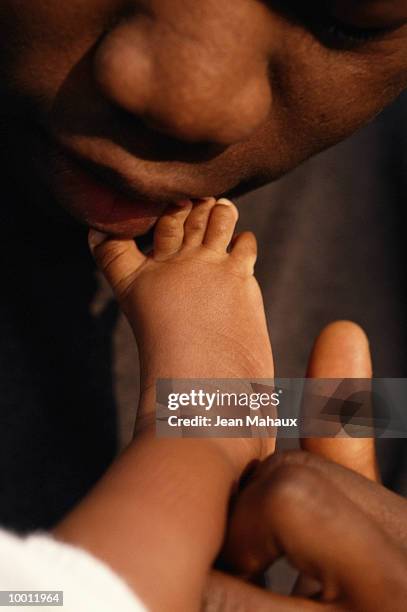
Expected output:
(40, 563)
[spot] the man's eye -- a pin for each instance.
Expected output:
(323, 19)
(333, 31)
(354, 22)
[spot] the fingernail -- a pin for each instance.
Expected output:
(224, 202)
(95, 238)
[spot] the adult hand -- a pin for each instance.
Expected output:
(335, 526)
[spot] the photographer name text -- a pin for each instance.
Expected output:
(247, 421)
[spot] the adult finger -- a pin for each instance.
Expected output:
(225, 593)
(381, 505)
(342, 351)
(296, 512)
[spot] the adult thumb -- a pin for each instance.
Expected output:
(342, 351)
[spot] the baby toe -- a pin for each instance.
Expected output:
(195, 225)
(244, 249)
(221, 225)
(169, 231)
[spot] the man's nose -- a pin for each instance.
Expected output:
(198, 75)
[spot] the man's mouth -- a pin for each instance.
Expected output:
(110, 189)
(98, 197)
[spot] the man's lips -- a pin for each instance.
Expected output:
(109, 189)
(100, 205)
(99, 201)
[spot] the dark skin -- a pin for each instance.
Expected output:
(290, 506)
(163, 100)
(174, 99)
(340, 528)
(334, 526)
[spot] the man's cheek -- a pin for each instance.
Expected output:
(42, 43)
(330, 95)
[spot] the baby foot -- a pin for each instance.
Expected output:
(194, 304)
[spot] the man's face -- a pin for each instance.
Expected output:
(118, 107)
